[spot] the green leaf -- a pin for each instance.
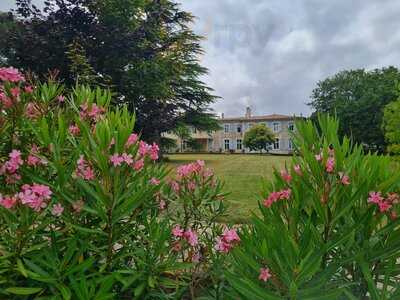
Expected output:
(23, 290)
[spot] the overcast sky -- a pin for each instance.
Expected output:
(269, 54)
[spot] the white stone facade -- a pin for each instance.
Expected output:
(230, 137)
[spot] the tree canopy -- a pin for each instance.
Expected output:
(358, 98)
(391, 126)
(146, 50)
(258, 138)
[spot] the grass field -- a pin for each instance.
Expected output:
(243, 176)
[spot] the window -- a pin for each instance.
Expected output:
(226, 128)
(291, 126)
(239, 128)
(226, 144)
(290, 145)
(239, 144)
(276, 144)
(277, 127)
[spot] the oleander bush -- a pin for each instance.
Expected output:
(85, 208)
(328, 228)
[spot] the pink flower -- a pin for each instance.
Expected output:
(227, 240)
(11, 74)
(74, 130)
(116, 160)
(344, 179)
(264, 274)
(196, 258)
(375, 197)
(8, 201)
(286, 176)
(61, 99)
(191, 237)
(230, 235)
(28, 89)
(15, 92)
(132, 139)
(177, 231)
(10, 167)
(162, 204)
(35, 196)
(191, 185)
(84, 170)
(273, 197)
(7, 102)
(128, 158)
(154, 181)
(318, 157)
(175, 186)
(384, 206)
(330, 165)
(138, 165)
(222, 246)
(285, 194)
(57, 210)
(144, 148)
(297, 169)
(154, 151)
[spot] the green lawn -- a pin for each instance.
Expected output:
(243, 176)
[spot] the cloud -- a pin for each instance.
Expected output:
(269, 54)
(272, 53)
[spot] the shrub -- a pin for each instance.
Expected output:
(82, 213)
(328, 227)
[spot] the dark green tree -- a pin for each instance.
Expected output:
(358, 98)
(258, 138)
(391, 126)
(146, 48)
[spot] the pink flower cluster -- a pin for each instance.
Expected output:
(8, 201)
(227, 240)
(298, 170)
(150, 150)
(190, 169)
(344, 179)
(286, 176)
(384, 204)
(132, 139)
(264, 274)
(189, 235)
(10, 167)
(92, 113)
(84, 170)
(5, 100)
(11, 75)
(275, 196)
(35, 196)
(117, 160)
(330, 165)
(74, 130)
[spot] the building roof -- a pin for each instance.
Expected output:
(273, 117)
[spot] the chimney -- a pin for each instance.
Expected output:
(248, 112)
(222, 115)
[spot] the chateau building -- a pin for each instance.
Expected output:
(230, 137)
